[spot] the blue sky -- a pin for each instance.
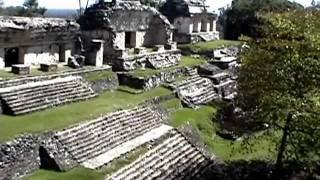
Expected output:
(73, 4)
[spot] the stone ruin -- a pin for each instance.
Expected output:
(32, 41)
(34, 96)
(173, 158)
(96, 143)
(128, 30)
(192, 21)
(195, 91)
(224, 83)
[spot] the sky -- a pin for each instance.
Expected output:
(74, 4)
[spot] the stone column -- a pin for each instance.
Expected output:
(95, 56)
(62, 53)
(213, 26)
(2, 56)
(22, 52)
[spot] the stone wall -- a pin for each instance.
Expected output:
(149, 82)
(102, 85)
(138, 61)
(19, 157)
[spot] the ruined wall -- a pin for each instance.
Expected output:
(149, 82)
(183, 25)
(119, 41)
(40, 54)
(19, 157)
(140, 38)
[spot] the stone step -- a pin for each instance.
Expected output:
(48, 93)
(52, 99)
(49, 105)
(174, 158)
(33, 89)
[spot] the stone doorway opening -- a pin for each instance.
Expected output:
(11, 56)
(130, 39)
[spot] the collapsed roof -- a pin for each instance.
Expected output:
(37, 24)
(121, 16)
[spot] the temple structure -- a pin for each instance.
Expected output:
(32, 41)
(133, 35)
(192, 21)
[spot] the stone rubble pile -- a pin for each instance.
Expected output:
(34, 96)
(224, 84)
(195, 91)
(175, 158)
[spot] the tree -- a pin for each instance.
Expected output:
(242, 15)
(31, 8)
(279, 83)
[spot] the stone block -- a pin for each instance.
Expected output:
(20, 69)
(140, 50)
(159, 48)
(49, 67)
(76, 61)
(171, 46)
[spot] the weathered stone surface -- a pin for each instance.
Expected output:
(76, 61)
(49, 67)
(156, 60)
(20, 69)
(107, 84)
(19, 157)
(149, 82)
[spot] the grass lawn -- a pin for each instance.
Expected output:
(185, 61)
(81, 173)
(63, 116)
(201, 120)
(204, 47)
(172, 104)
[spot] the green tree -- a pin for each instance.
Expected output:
(279, 83)
(242, 15)
(31, 8)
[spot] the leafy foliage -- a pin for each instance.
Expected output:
(280, 82)
(241, 17)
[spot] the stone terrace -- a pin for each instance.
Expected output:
(195, 90)
(174, 158)
(40, 95)
(96, 143)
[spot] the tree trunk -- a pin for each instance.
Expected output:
(283, 144)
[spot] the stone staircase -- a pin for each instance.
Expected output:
(191, 71)
(163, 61)
(95, 143)
(196, 91)
(175, 158)
(35, 96)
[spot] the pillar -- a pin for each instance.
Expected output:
(213, 26)
(22, 53)
(95, 56)
(2, 56)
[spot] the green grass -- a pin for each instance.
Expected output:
(202, 121)
(63, 116)
(172, 104)
(130, 90)
(204, 47)
(78, 173)
(185, 61)
(100, 75)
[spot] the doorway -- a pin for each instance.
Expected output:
(11, 56)
(130, 39)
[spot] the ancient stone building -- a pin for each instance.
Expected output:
(133, 35)
(32, 41)
(192, 21)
